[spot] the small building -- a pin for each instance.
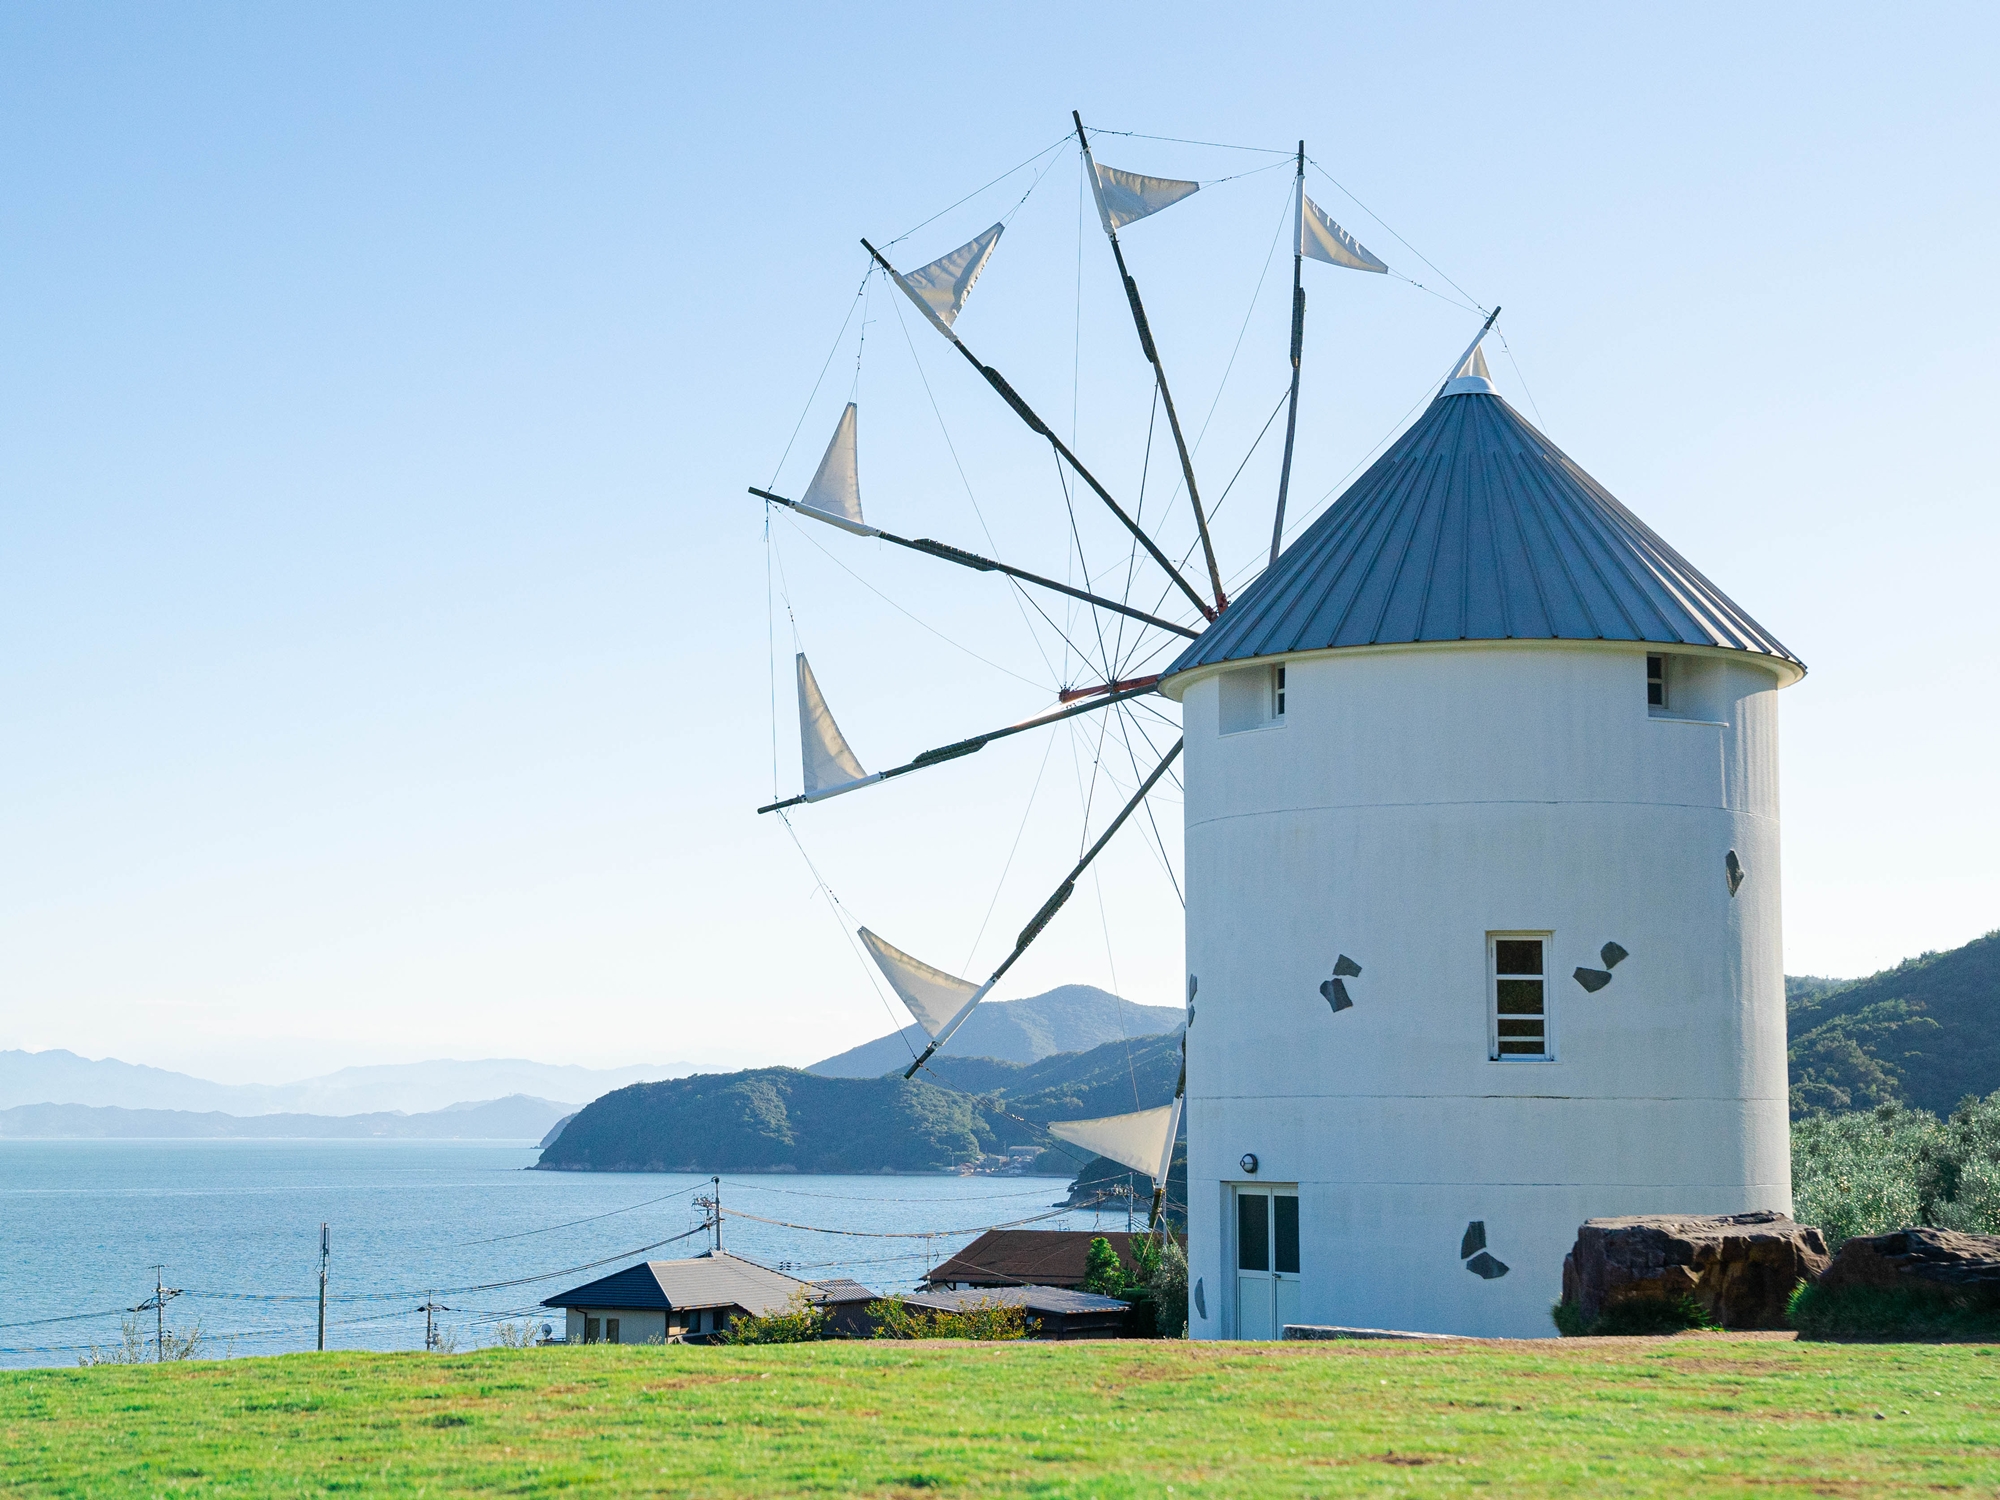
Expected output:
(1028, 1257)
(676, 1301)
(1053, 1312)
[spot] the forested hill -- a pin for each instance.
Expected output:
(1925, 1033)
(787, 1120)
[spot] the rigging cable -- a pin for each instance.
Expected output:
(1012, 850)
(1020, 592)
(837, 338)
(1392, 229)
(1140, 135)
(1509, 351)
(1052, 145)
(842, 918)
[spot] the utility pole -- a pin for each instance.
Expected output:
(716, 1182)
(431, 1308)
(162, 1295)
(323, 1247)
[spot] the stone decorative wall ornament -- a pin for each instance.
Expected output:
(1734, 872)
(1593, 980)
(1472, 1250)
(1334, 990)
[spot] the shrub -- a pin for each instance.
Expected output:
(1168, 1283)
(798, 1322)
(134, 1348)
(1103, 1271)
(1569, 1320)
(1866, 1312)
(896, 1319)
(1895, 1168)
(1635, 1317)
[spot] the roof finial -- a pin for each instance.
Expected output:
(1470, 377)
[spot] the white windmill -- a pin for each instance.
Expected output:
(1481, 858)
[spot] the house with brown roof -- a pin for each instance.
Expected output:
(1028, 1257)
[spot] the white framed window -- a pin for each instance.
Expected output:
(1278, 692)
(1656, 680)
(1518, 996)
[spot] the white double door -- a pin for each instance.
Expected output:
(1267, 1261)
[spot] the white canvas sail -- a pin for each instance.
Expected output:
(830, 766)
(1143, 1141)
(1322, 239)
(835, 492)
(935, 998)
(941, 287)
(1126, 197)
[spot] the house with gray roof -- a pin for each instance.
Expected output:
(675, 1301)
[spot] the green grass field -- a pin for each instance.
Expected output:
(1697, 1414)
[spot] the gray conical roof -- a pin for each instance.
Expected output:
(1475, 527)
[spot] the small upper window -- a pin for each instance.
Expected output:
(1520, 1017)
(1656, 681)
(1251, 698)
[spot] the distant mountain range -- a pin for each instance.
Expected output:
(1925, 1033)
(1072, 1018)
(59, 1077)
(786, 1120)
(517, 1118)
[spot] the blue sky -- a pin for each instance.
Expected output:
(388, 663)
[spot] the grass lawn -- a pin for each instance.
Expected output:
(1697, 1414)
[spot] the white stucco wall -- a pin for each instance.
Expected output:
(635, 1325)
(1413, 801)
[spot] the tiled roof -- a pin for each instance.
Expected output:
(1022, 1257)
(716, 1279)
(1057, 1301)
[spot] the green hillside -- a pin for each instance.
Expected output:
(1924, 1034)
(773, 1120)
(786, 1120)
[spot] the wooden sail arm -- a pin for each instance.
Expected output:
(1026, 413)
(1138, 688)
(1298, 344)
(1071, 695)
(979, 564)
(1152, 352)
(1051, 906)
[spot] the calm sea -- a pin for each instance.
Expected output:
(236, 1226)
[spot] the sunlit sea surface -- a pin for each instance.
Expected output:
(236, 1226)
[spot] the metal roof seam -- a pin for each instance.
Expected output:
(1433, 454)
(1564, 515)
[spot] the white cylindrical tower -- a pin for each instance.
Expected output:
(1482, 885)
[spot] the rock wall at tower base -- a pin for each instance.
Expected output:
(1742, 1268)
